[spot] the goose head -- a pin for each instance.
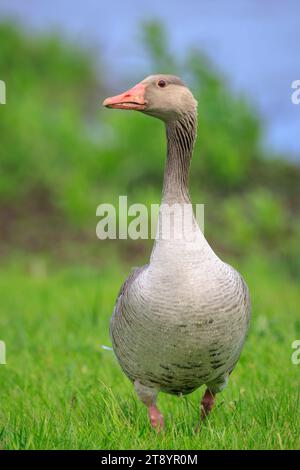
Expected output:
(163, 96)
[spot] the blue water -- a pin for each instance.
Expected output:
(255, 42)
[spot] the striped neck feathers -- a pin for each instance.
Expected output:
(181, 136)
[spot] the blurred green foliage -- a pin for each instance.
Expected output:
(60, 149)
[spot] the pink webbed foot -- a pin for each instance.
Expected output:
(156, 418)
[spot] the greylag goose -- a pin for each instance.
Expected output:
(180, 321)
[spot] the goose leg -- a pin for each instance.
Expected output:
(148, 396)
(156, 418)
(207, 403)
(209, 396)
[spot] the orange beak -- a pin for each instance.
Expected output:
(131, 99)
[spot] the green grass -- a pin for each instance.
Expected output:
(61, 390)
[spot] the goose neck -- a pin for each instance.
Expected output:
(181, 135)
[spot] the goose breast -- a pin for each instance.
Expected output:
(177, 325)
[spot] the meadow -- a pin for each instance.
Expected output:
(61, 390)
(60, 157)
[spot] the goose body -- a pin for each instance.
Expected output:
(180, 321)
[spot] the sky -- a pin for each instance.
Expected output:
(255, 43)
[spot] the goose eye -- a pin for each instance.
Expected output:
(161, 83)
